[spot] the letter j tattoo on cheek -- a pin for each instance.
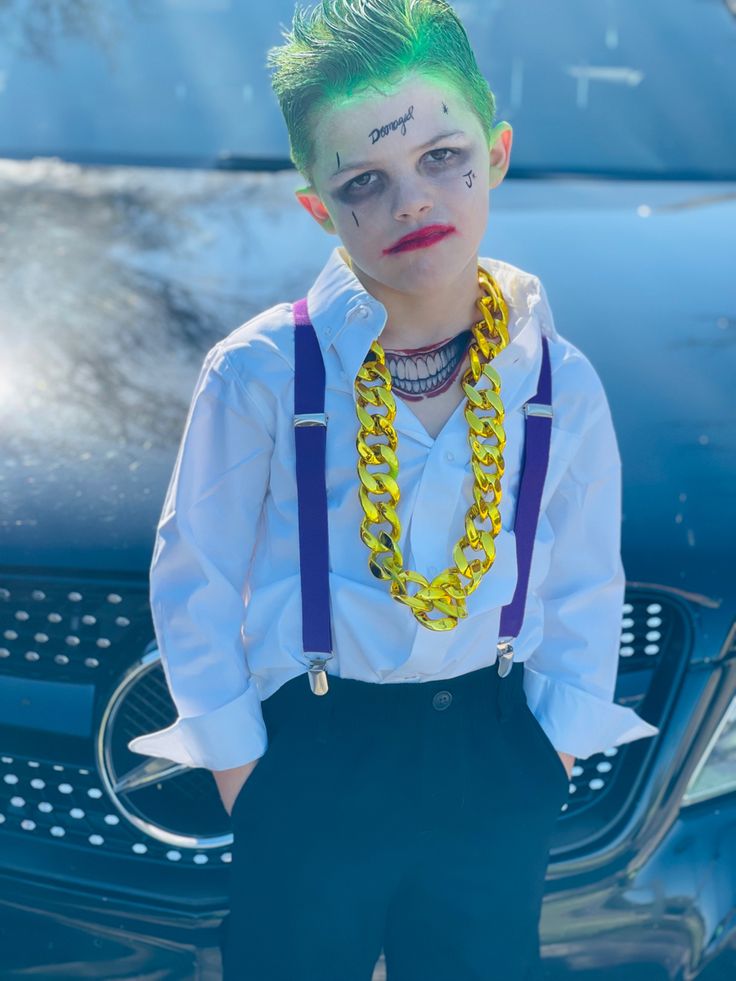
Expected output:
(469, 178)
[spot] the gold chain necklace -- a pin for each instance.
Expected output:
(377, 442)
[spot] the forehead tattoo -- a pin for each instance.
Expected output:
(444, 107)
(379, 131)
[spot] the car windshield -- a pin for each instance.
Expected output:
(617, 87)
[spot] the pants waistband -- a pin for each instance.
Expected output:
(482, 678)
(484, 683)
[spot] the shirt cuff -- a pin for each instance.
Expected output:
(228, 736)
(578, 722)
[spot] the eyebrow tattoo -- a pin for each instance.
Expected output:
(424, 146)
(376, 134)
(470, 175)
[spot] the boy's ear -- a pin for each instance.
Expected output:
(311, 201)
(500, 140)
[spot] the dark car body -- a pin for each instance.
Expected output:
(119, 273)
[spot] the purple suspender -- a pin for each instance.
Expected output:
(310, 431)
(537, 431)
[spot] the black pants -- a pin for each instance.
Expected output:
(413, 817)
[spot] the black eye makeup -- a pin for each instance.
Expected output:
(361, 186)
(444, 149)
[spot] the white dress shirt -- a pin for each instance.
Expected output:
(224, 577)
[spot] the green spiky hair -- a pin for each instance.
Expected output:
(341, 48)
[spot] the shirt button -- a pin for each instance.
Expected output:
(449, 456)
(363, 311)
(442, 700)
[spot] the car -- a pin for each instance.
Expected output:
(147, 210)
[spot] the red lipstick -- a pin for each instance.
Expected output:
(420, 239)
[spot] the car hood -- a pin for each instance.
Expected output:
(119, 279)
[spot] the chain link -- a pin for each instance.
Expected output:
(379, 492)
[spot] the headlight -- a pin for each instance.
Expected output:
(715, 773)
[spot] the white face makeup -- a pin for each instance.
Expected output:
(391, 165)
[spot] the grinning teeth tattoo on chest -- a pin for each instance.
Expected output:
(425, 372)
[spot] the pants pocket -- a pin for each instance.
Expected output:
(300, 733)
(546, 746)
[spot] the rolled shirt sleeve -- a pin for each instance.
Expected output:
(198, 574)
(570, 679)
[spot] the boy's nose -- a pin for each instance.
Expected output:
(411, 201)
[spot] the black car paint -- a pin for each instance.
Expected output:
(104, 330)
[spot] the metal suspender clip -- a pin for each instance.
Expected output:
(310, 419)
(505, 657)
(316, 671)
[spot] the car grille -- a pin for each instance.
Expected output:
(69, 630)
(96, 636)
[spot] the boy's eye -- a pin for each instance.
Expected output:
(356, 181)
(362, 180)
(444, 149)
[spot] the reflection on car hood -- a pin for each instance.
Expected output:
(118, 280)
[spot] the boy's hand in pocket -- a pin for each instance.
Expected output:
(568, 761)
(229, 782)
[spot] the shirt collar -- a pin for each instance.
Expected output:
(345, 316)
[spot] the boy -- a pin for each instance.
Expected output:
(411, 805)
